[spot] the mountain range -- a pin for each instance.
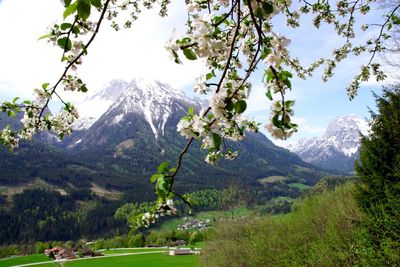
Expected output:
(337, 148)
(133, 131)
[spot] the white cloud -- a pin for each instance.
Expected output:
(306, 127)
(138, 52)
(25, 62)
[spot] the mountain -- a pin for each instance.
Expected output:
(132, 132)
(337, 148)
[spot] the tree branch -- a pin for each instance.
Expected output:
(83, 52)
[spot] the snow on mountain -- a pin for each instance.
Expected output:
(338, 147)
(152, 99)
(83, 123)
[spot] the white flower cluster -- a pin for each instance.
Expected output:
(222, 120)
(213, 37)
(8, 138)
(37, 118)
(279, 43)
(278, 126)
(164, 208)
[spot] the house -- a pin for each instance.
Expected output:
(66, 254)
(174, 252)
(60, 253)
(177, 243)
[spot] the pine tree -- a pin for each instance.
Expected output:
(378, 193)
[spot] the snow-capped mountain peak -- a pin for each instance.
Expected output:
(149, 98)
(339, 143)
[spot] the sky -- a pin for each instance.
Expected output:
(26, 63)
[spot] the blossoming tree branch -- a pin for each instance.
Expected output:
(232, 38)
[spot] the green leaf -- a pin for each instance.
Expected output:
(155, 177)
(162, 186)
(189, 54)
(65, 26)
(44, 36)
(75, 30)
(289, 103)
(65, 43)
(258, 12)
(163, 167)
(286, 74)
(210, 75)
(15, 99)
(267, 7)
(269, 94)
(11, 113)
(70, 9)
(276, 121)
(191, 111)
(83, 8)
(45, 85)
(230, 106)
(287, 83)
(96, 3)
(67, 3)
(215, 141)
(240, 106)
(83, 89)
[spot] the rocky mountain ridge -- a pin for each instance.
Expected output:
(337, 148)
(133, 132)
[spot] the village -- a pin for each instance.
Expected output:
(191, 223)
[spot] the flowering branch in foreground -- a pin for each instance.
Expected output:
(233, 39)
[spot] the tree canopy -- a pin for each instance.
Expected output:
(379, 172)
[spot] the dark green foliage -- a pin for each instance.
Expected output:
(42, 215)
(378, 193)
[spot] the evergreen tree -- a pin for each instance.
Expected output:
(379, 171)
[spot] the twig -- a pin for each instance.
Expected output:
(77, 57)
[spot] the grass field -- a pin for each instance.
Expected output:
(23, 260)
(129, 250)
(139, 260)
(272, 179)
(299, 186)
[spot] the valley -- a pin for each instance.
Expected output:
(91, 185)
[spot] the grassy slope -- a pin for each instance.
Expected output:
(319, 232)
(272, 179)
(299, 186)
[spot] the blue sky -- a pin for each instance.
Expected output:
(27, 63)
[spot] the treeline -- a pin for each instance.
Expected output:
(43, 215)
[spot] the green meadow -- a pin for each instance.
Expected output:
(139, 260)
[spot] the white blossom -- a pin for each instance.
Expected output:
(200, 86)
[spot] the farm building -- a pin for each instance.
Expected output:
(174, 252)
